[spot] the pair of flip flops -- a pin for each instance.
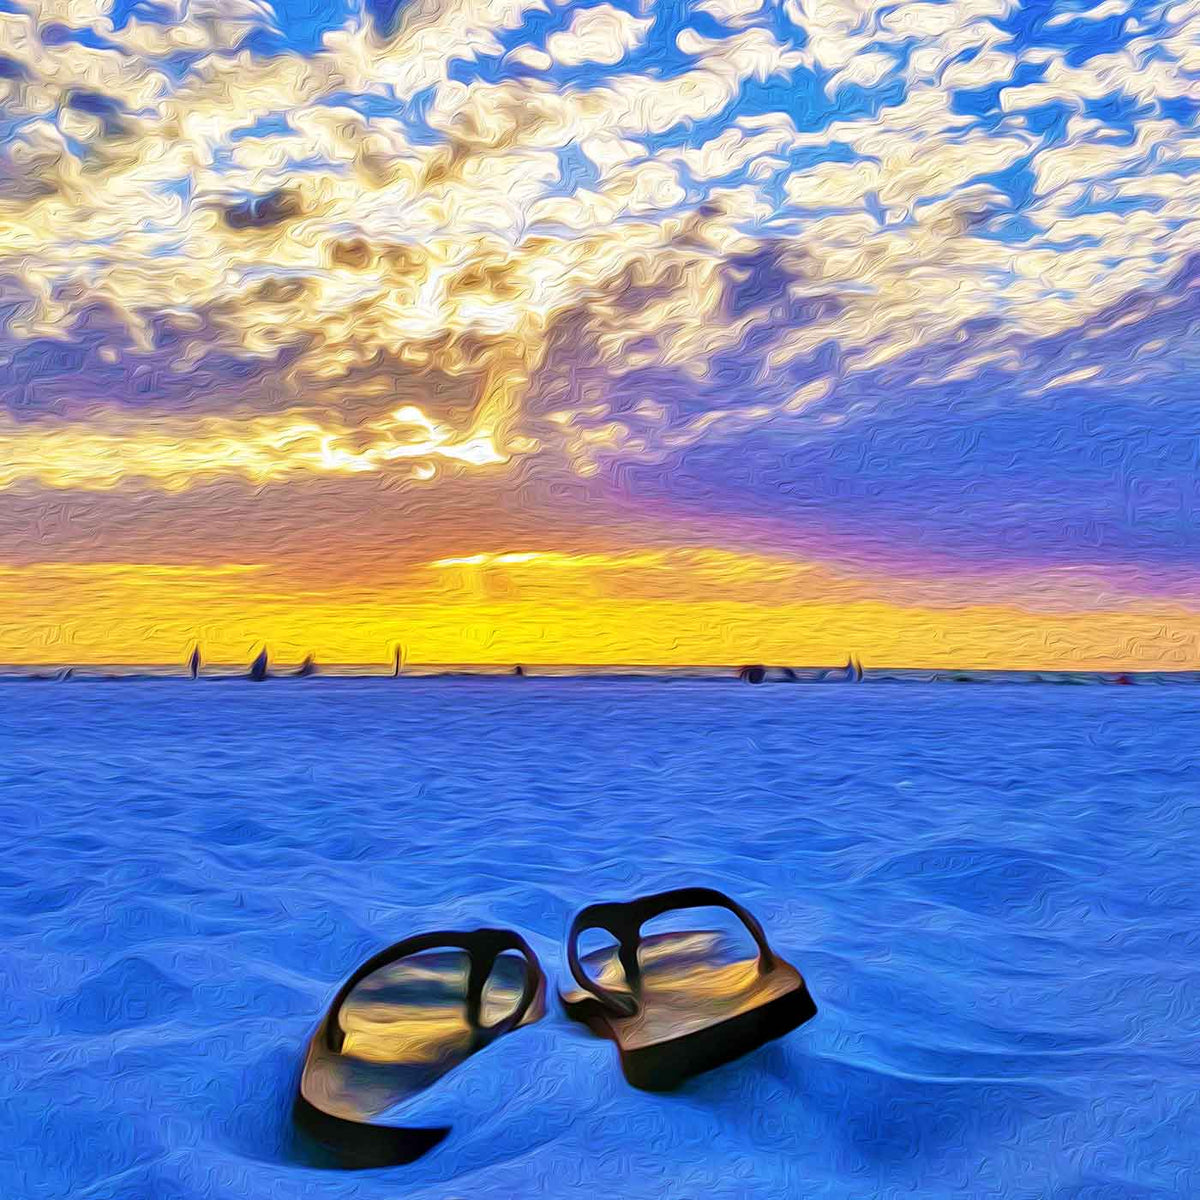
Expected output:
(675, 1004)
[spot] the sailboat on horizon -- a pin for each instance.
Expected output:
(852, 672)
(194, 663)
(258, 668)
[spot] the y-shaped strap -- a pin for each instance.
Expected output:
(483, 947)
(625, 920)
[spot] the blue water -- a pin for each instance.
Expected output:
(992, 892)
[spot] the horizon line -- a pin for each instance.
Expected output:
(238, 669)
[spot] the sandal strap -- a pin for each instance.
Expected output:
(624, 920)
(483, 947)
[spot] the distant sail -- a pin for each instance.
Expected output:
(194, 663)
(398, 662)
(307, 667)
(258, 668)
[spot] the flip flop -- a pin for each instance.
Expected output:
(687, 1003)
(400, 1023)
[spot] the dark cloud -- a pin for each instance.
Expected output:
(105, 109)
(981, 470)
(259, 212)
(757, 290)
(97, 367)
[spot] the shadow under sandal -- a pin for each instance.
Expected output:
(399, 1024)
(677, 1004)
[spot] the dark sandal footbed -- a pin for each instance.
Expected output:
(339, 1094)
(681, 1011)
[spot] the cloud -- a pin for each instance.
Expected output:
(532, 57)
(730, 12)
(864, 70)
(601, 34)
(260, 211)
(1101, 12)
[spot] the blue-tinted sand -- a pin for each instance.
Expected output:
(993, 893)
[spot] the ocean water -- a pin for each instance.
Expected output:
(992, 892)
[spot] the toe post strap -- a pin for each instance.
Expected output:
(624, 920)
(483, 947)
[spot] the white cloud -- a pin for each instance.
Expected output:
(730, 12)
(1110, 8)
(531, 56)
(753, 54)
(865, 70)
(734, 149)
(602, 34)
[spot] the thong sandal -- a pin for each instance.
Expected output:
(686, 1004)
(400, 1023)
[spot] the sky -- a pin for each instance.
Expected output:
(652, 332)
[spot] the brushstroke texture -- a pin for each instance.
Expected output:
(990, 891)
(886, 290)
